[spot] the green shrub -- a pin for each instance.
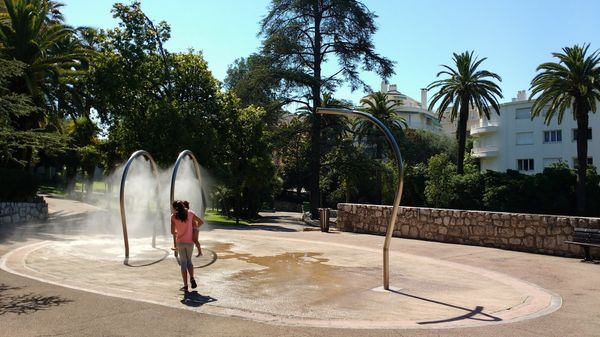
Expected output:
(439, 189)
(17, 185)
(469, 189)
(414, 185)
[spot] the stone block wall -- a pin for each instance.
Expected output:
(16, 212)
(534, 233)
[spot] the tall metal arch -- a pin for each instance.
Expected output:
(122, 196)
(392, 141)
(182, 155)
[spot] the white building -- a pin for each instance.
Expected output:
(449, 128)
(514, 141)
(415, 113)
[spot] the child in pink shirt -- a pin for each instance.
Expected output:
(182, 221)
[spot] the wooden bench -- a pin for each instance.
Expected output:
(586, 238)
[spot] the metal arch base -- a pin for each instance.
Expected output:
(392, 141)
(122, 195)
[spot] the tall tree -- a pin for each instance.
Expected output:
(300, 36)
(254, 82)
(32, 32)
(145, 105)
(247, 156)
(12, 106)
(466, 87)
(573, 82)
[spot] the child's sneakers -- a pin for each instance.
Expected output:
(193, 282)
(185, 288)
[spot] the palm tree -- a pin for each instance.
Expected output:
(31, 31)
(465, 87)
(573, 82)
(378, 105)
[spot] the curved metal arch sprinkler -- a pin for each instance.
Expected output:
(392, 141)
(122, 195)
(182, 155)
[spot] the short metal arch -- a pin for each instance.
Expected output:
(122, 196)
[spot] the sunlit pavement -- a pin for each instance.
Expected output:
(278, 273)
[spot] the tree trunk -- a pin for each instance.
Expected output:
(315, 163)
(315, 150)
(461, 135)
(89, 180)
(582, 147)
(71, 176)
(379, 182)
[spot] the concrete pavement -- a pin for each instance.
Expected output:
(273, 278)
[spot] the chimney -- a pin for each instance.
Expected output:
(384, 86)
(393, 87)
(521, 95)
(424, 98)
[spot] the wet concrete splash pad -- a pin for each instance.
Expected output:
(290, 279)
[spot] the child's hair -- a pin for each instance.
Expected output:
(180, 210)
(186, 204)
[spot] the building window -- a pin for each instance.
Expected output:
(553, 136)
(590, 161)
(524, 138)
(525, 164)
(575, 134)
(522, 113)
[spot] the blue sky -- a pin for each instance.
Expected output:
(515, 35)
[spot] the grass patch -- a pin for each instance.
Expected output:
(97, 186)
(212, 216)
(50, 189)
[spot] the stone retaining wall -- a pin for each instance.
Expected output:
(15, 212)
(523, 232)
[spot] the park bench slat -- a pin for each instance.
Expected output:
(586, 238)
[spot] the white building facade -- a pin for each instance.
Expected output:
(514, 141)
(415, 113)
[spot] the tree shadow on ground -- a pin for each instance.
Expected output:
(251, 227)
(26, 303)
(58, 223)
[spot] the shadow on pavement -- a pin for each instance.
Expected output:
(27, 303)
(193, 299)
(272, 228)
(471, 313)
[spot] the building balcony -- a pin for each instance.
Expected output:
(483, 129)
(485, 152)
